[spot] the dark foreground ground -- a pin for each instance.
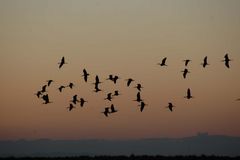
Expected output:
(127, 158)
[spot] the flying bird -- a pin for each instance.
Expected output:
(46, 99)
(97, 81)
(71, 106)
(85, 75)
(189, 96)
(74, 99)
(139, 87)
(71, 85)
(163, 62)
(82, 101)
(109, 97)
(138, 97)
(185, 72)
(113, 110)
(62, 62)
(116, 93)
(97, 89)
(170, 106)
(110, 77)
(205, 62)
(49, 82)
(186, 61)
(44, 88)
(227, 60)
(115, 79)
(129, 81)
(142, 105)
(61, 88)
(38, 94)
(106, 111)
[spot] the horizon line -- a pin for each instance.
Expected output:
(200, 134)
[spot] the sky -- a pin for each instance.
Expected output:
(124, 38)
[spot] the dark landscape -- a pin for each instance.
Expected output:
(202, 144)
(132, 157)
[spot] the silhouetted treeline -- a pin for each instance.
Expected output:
(132, 157)
(202, 144)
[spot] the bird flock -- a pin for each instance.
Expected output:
(43, 93)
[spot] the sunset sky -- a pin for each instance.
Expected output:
(128, 39)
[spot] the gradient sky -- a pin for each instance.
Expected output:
(125, 38)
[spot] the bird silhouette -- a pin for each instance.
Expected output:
(138, 97)
(82, 101)
(113, 110)
(227, 60)
(163, 62)
(189, 96)
(129, 81)
(70, 85)
(115, 79)
(38, 94)
(142, 105)
(49, 82)
(61, 88)
(106, 111)
(71, 106)
(109, 97)
(205, 62)
(170, 106)
(116, 93)
(97, 88)
(46, 99)
(186, 61)
(44, 88)
(185, 72)
(110, 77)
(62, 62)
(97, 81)
(74, 99)
(85, 75)
(139, 87)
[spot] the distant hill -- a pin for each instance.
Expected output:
(196, 145)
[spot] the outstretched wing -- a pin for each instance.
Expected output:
(227, 64)
(189, 92)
